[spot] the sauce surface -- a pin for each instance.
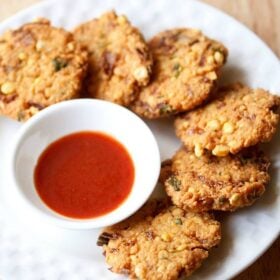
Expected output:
(84, 175)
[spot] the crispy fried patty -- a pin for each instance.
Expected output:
(186, 66)
(238, 118)
(160, 242)
(119, 60)
(39, 65)
(216, 183)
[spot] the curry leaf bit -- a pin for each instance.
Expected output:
(178, 221)
(59, 63)
(255, 194)
(104, 238)
(20, 116)
(175, 183)
(243, 160)
(223, 200)
(165, 109)
(177, 68)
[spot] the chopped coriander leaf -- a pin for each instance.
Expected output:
(174, 182)
(59, 63)
(177, 68)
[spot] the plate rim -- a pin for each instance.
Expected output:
(47, 3)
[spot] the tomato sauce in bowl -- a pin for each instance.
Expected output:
(84, 175)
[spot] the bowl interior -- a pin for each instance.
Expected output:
(87, 115)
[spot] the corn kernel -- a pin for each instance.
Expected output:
(219, 57)
(228, 128)
(192, 157)
(122, 19)
(39, 45)
(220, 151)
(233, 144)
(40, 19)
(32, 111)
(134, 250)
(235, 199)
(166, 237)
(191, 190)
(198, 150)
(31, 62)
(36, 81)
(212, 75)
(70, 46)
(139, 270)
(140, 73)
(222, 119)
(210, 59)
(37, 19)
(163, 254)
(181, 247)
(171, 266)
(213, 125)
(252, 179)
(22, 56)
(161, 268)
(177, 212)
(133, 258)
(8, 88)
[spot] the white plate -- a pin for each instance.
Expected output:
(36, 251)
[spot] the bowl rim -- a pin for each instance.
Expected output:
(64, 221)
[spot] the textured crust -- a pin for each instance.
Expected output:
(240, 117)
(160, 242)
(119, 61)
(186, 65)
(216, 183)
(39, 65)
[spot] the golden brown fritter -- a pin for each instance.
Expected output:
(186, 66)
(160, 242)
(119, 61)
(239, 117)
(216, 183)
(39, 65)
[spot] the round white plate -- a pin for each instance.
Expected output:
(30, 250)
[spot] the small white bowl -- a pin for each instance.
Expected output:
(79, 115)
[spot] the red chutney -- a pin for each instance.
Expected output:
(84, 175)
